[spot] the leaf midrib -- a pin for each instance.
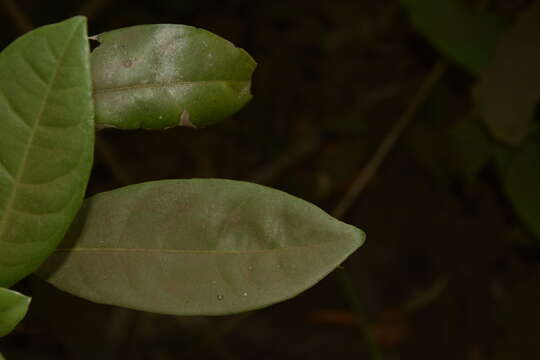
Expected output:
(20, 171)
(157, 85)
(183, 251)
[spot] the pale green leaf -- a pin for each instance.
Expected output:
(198, 247)
(13, 308)
(46, 142)
(465, 35)
(509, 89)
(160, 76)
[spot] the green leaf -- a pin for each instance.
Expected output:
(521, 181)
(466, 36)
(46, 150)
(509, 89)
(198, 247)
(160, 76)
(13, 308)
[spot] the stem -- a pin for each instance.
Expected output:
(364, 177)
(367, 173)
(356, 305)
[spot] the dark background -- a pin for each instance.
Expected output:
(447, 271)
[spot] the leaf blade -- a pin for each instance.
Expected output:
(46, 107)
(160, 76)
(215, 247)
(13, 308)
(509, 88)
(465, 36)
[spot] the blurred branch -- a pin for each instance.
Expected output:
(18, 16)
(364, 177)
(299, 151)
(368, 172)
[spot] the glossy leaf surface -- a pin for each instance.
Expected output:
(160, 76)
(198, 247)
(509, 89)
(46, 142)
(13, 308)
(465, 35)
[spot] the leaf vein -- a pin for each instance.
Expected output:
(163, 85)
(34, 70)
(16, 113)
(183, 251)
(20, 170)
(5, 170)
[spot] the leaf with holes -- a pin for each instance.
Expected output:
(46, 122)
(160, 76)
(198, 247)
(13, 308)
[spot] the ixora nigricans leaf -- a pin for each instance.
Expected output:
(46, 122)
(198, 247)
(13, 308)
(160, 76)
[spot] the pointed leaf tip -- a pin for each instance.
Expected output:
(13, 308)
(198, 247)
